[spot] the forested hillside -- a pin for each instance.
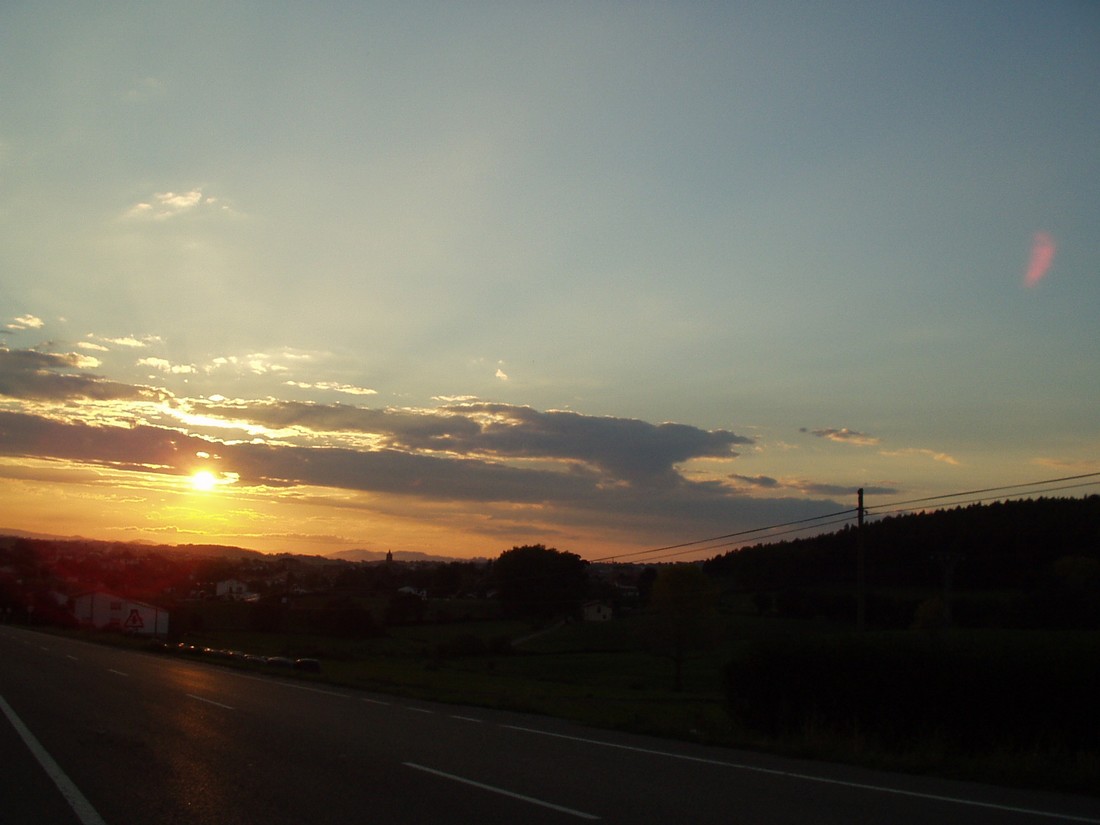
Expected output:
(1033, 563)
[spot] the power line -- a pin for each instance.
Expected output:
(807, 522)
(994, 498)
(993, 489)
(726, 536)
(845, 520)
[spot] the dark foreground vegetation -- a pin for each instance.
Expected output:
(981, 656)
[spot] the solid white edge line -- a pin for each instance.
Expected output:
(209, 701)
(822, 779)
(502, 791)
(77, 801)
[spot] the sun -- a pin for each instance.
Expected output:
(204, 481)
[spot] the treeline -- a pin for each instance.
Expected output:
(1030, 563)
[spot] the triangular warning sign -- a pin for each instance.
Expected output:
(134, 620)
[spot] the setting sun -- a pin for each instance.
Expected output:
(204, 480)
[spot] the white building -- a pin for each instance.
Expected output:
(105, 611)
(597, 612)
(232, 589)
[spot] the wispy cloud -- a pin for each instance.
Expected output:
(145, 89)
(332, 386)
(919, 452)
(167, 205)
(844, 436)
(165, 366)
(128, 341)
(25, 322)
(810, 488)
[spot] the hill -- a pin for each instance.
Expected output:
(1028, 563)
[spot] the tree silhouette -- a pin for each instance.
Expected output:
(538, 583)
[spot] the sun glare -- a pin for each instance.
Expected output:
(204, 480)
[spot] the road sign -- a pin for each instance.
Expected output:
(134, 620)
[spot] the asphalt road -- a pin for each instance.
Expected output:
(92, 734)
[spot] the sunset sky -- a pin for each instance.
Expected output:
(454, 277)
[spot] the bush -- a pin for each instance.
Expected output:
(900, 690)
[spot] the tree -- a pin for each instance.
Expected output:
(538, 583)
(682, 609)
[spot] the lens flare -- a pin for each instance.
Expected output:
(1042, 256)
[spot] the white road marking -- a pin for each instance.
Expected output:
(289, 685)
(823, 779)
(465, 718)
(77, 801)
(376, 701)
(70, 656)
(418, 710)
(117, 672)
(209, 701)
(502, 791)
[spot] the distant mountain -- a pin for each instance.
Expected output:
(26, 534)
(400, 555)
(203, 550)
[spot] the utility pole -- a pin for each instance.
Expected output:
(861, 568)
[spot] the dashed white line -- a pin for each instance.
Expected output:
(418, 710)
(117, 672)
(292, 686)
(376, 701)
(466, 718)
(209, 701)
(974, 803)
(77, 801)
(502, 791)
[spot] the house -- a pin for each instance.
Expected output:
(106, 611)
(597, 612)
(232, 589)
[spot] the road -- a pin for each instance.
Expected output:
(92, 734)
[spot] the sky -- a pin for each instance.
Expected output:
(456, 277)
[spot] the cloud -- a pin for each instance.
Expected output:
(26, 322)
(166, 366)
(764, 482)
(844, 436)
(810, 488)
(624, 450)
(167, 205)
(469, 488)
(499, 469)
(128, 341)
(921, 453)
(347, 389)
(257, 363)
(148, 88)
(39, 376)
